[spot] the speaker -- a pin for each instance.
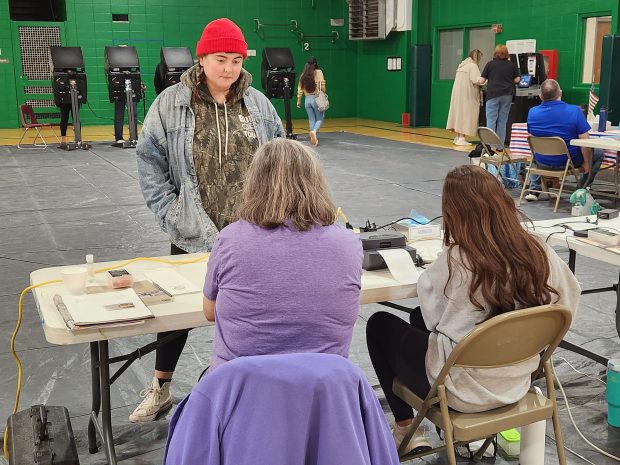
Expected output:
(121, 59)
(610, 76)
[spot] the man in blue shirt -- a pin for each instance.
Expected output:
(553, 117)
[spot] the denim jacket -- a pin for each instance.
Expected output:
(166, 169)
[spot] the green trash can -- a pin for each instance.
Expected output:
(613, 392)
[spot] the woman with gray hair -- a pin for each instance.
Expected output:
(283, 278)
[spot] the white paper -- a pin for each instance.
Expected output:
(171, 281)
(521, 46)
(401, 265)
(106, 307)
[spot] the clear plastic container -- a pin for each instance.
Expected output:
(509, 442)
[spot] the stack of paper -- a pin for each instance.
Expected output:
(109, 308)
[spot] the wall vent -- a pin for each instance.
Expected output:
(371, 19)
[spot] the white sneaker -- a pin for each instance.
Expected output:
(120, 141)
(313, 138)
(531, 197)
(417, 443)
(461, 141)
(156, 400)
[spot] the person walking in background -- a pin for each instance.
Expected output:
(465, 100)
(192, 176)
(500, 75)
(311, 82)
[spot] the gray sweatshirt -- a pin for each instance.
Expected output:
(451, 318)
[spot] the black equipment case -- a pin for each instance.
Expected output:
(41, 435)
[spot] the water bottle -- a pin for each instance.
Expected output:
(602, 119)
(613, 392)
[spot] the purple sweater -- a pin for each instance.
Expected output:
(281, 410)
(283, 290)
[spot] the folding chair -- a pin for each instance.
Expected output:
(549, 146)
(501, 341)
(29, 121)
(497, 157)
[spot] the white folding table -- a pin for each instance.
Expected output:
(183, 312)
(560, 232)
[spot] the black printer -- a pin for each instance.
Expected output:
(374, 241)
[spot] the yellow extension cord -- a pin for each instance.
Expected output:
(54, 281)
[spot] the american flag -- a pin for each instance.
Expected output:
(592, 100)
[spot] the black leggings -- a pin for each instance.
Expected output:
(65, 111)
(167, 355)
(398, 349)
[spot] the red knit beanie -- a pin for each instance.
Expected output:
(222, 35)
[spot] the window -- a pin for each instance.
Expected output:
(483, 39)
(595, 28)
(450, 52)
(455, 45)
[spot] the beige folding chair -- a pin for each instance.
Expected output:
(549, 146)
(497, 157)
(501, 341)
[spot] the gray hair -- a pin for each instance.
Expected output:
(285, 181)
(550, 90)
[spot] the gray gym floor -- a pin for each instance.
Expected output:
(57, 206)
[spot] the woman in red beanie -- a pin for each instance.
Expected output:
(197, 141)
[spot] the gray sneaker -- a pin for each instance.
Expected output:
(156, 400)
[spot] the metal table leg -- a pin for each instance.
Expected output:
(96, 397)
(106, 413)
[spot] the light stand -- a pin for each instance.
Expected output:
(77, 126)
(133, 130)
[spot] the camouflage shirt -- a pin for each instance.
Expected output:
(222, 154)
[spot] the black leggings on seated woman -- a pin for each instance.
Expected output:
(398, 349)
(167, 355)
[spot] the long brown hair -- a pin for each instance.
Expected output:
(285, 181)
(307, 77)
(510, 267)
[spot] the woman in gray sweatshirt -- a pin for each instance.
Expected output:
(490, 265)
